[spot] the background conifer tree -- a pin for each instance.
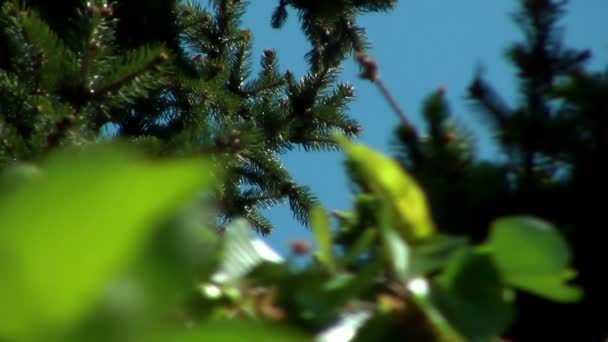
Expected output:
(551, 148)
(176, 78)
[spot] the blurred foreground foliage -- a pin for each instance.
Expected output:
(99, 243)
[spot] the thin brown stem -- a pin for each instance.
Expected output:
(394, 105)
(370, 72)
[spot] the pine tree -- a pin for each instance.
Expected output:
(176, 78)
(58, 91)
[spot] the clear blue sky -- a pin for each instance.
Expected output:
(420, 46)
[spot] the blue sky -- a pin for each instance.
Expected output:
(420, 46)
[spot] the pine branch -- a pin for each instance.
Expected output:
(486, 99)
(4, 139)
(301, 201)
(268, 164)
(53, 62)
(279, 15)
(239, 70)
(263, 87)
(59, 131)
(260, 223)
(259, 199)
(124, 79)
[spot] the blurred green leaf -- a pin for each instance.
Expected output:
(343, 287)
(242, 253)
(308, 299)
(311, 296)
(433, 253)
(179, 252)
(346, 328)
(471, 295)
(396, 250)
(322, 229)
(15, 174)
(234, 331)
(360, 246)
(392, 183)
(429, 323)
(161, 283)
(533, 256)
(66, 233)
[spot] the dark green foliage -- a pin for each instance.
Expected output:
(383, 285)
(63, 93)
(155, 267)
(177, 80)
(103, 70)
(551, 149)
(471, 287)
(330, 27)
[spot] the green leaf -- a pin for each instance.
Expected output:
(360, 246)
(443, 330)
(242, 253)
(68, 232)
(396, 187)
(15, 174)
(322, 229)
(433, 253)
(533, 256)
(234, 330)
(343, 287)
(396, 250)
(239, 255)
(471, 295)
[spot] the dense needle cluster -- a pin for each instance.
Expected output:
(177, 79)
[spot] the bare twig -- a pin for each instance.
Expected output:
(370, 72)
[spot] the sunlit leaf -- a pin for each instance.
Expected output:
(73, 228)
(396, 250)
(533, 256)
(322, 229)
(242, 252)
(393, 184)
